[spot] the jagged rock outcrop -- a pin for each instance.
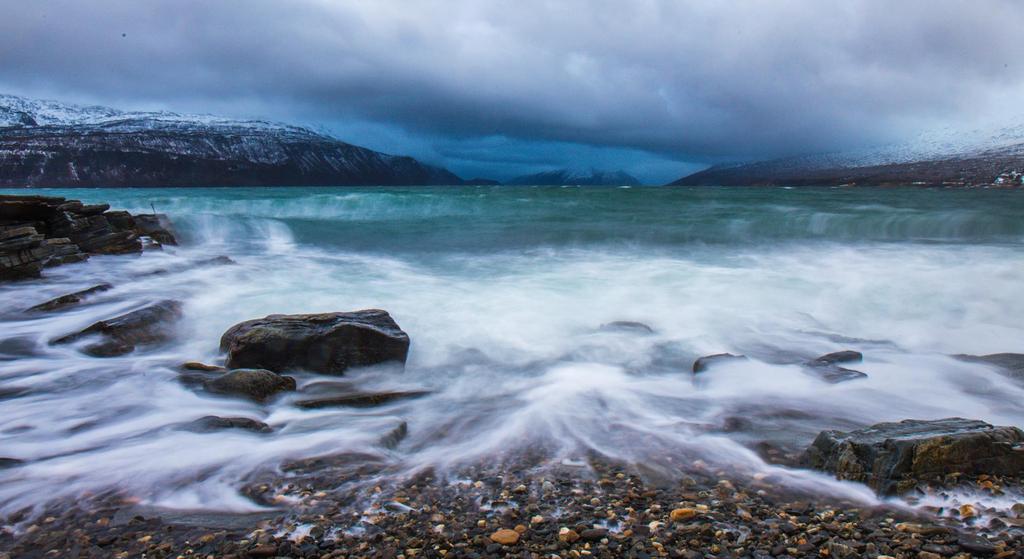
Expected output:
(37, 232)
(326, 343)
(45, 143)
(894, 457)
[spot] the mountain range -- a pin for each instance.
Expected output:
(592, 177)
(946, 157)
(47, 143)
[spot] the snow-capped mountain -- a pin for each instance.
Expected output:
(48, 143)
(592, 177)
(943, 157)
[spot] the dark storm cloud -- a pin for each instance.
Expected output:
(685, 81)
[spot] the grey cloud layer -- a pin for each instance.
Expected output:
(688, 80)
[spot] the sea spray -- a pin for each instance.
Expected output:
(503, 292)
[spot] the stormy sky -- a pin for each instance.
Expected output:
(498, 88)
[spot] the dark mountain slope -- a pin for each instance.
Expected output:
(44, 143)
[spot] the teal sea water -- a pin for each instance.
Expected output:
(504, 291)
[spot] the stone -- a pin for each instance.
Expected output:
(256, 384)
(1012, 364)
(361, 400)
(593, 534)
(197, 366)
(827, 369)
(505, 537)
(680, 515)
(157, 227)
(212, 423)
(845, 356)
(567, 535)
(704, 363)
(627, 326)
(891, 457)
(328, 343)
(395, 436)
(70, 299)
(150, 325)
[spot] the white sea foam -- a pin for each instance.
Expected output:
(509, 343)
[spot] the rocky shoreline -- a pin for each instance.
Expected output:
(347, 505)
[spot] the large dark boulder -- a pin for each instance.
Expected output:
(894, 457)
(255, 384)
(120, 335)
(326, 343)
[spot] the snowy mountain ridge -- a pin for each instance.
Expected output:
(48, 143)
(18, 111)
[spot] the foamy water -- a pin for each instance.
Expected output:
(503, 292)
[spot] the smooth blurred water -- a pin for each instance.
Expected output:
(503, 291)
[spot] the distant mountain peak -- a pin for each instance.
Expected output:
(590, 177)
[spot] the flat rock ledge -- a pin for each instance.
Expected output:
(895, 457)
(38, 232)
(327, 343)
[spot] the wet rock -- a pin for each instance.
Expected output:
(70, 299)
(627, 326)
(23, 253)
(704, 363)
(157, 227)
(1010, 363)
(326, 343)
(37, 232)
(361, 400)
(835, 375)
(212, 423)
(976, 544)
(197, 366)
(255, 384)
(845, 356)
(9, 462)
(892, 457)
(120, 335)
(826, 367)
(505, 537)
(192, 265)
(395, 436)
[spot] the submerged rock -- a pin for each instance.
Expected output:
(70, 299)
(9, 462)
(212, 423)
(361, 400)
(893, 457)
(845, 356)
(826, 368)
(395, 436)
(254, 384)
(197, 366)
(627, 326)
(326, 343)
(120, 335)
(1012, 363)
(703, 363)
